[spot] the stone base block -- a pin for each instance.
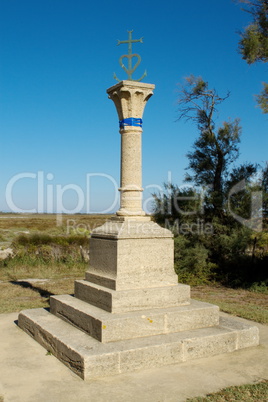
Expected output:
(131, 254)
(107, 327)
(121, 301)
(90, 359)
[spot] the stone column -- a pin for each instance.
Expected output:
(130, 98)
(130, 254)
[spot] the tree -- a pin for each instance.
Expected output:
(212, 226)
(216, 148)
(264, 184)
(244, 181)
(176, 204)
(254, 40)
(253, 44)
(262, 98)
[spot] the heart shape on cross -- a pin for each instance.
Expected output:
(130, 69)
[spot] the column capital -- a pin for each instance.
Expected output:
(130, 98)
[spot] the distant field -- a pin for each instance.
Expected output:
(46, 246)
(12, 225)
(49, 254)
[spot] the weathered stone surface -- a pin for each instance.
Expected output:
(130, 97)
(89, 358)
(54, 337)
(123, 260)
(107, 327)
(121, 301)
(246, 336)
(215, 342)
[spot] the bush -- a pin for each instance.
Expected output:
(44, 248)
(192, 264)
(230, 255)
(42, 239)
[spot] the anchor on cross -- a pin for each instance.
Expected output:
(130, 70)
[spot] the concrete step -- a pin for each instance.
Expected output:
(108, 327)
(89, 358)
(121, 301)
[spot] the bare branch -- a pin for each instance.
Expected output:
(198, 103)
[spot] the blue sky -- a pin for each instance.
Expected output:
(57, 58)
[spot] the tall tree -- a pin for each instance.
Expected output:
(213, 228)
(253, 44)
(215, 148)
(265, 191)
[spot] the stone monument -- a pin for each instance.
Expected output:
(130, 313)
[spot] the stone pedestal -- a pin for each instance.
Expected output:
(131, 265)
(130, 313)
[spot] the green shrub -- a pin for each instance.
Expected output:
(43, 238)
(192, 264)
(44, 248)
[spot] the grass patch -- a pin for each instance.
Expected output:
(51, 223)
(46, 245)
(26, 294)
(39, 239)
(28, 268)
(14, 225)
(238, 302)
(251, 392)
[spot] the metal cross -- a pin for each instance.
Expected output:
(130, 70)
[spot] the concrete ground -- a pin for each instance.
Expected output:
(29, 374)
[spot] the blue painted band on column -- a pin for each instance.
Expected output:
(130, 121)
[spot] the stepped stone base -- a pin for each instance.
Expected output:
(133, 299)
(106, 327)
(130, 313)
(89, 358)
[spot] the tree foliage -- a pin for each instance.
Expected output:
(253, 44)
(254, 40)
(262, 98)
(176, 203)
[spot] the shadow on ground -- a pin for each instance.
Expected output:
(24, 284)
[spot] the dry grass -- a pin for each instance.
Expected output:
(46, 260)
(45, 222)
(29, 293)
(252, 392)
(12, 225)
(13, 272)
(16, 291)
(238, 302)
